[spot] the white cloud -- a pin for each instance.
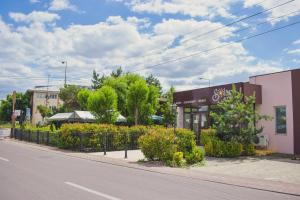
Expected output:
(296, 42)
(35, 16)
(34, 1)
(35, 51)
(295, 51)
(194, 8)
(277, 12)
(57, 5)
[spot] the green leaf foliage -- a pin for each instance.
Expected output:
(82, 98)
(22, 102)
(103, 103)
(235, 118)
(69, 96)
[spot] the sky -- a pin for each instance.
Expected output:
(178, 41)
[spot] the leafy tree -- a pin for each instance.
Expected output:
(235, 118)
(82, 97)
(22, 102)
(117, 73)
(44, 111)
(166, 108)
(69, 95)
(137, 97)
(131, 78)
(121, 88)
(151, 80)
(151, 105)
(103, 103)
(97, 81)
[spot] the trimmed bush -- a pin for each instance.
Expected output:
(232, 149)
(158, 144)
(249, 150)
(207, 135)
(164, 145)
(217, 148)
(195, 156)
(185, 140)
(178, 159)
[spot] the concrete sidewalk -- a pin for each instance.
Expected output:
(203, 173)
(265, 168)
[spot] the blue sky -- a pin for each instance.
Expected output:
(36, 35)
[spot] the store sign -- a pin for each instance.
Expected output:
(17, 113)
(219, 94)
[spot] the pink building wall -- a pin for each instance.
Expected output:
(277, 91)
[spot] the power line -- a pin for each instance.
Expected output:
(226, 25)
(240, 20)
(221, 46)
(243, 29)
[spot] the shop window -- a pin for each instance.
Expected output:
(280, 113)
(187, 110)
(187, 121)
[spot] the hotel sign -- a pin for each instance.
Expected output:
(213, 95)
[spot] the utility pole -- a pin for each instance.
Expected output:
(13, 116)
(65, 62)
(47, 94)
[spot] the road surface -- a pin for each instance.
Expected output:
(29, 173)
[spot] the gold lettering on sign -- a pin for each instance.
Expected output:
(219, 94)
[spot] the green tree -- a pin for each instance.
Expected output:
(166, 108)
(44, 111)
(97, 81)
(82, 98)
(117, 73)
(150, 106)
(151, 80)
(103, 103)
(235, 118)
(137, 97)
(69, 96)
(22, 102)
(121, 88)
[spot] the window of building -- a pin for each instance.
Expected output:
(280, 114)
(40, 95)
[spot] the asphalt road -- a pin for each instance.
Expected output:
(27, 173)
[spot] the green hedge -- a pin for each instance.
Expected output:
(217, 148)
(93, 135)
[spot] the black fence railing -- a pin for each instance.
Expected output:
(82, 142)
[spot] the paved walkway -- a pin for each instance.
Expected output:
(266, 168)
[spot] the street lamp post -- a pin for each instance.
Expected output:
(202, 78)
(65, 62)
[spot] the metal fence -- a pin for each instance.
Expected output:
(82, 142)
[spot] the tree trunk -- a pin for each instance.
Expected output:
(136, 115)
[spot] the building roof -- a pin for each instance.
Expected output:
(274, 73)
(77, 115)
(84, 115)
(61, 116)
(44, 89)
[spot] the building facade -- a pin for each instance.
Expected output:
(47, 96)
(277, 95)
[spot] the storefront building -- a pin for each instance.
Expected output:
(277, 95)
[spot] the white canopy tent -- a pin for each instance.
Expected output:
(80, 116)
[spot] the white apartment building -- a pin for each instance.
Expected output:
(47, 96)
